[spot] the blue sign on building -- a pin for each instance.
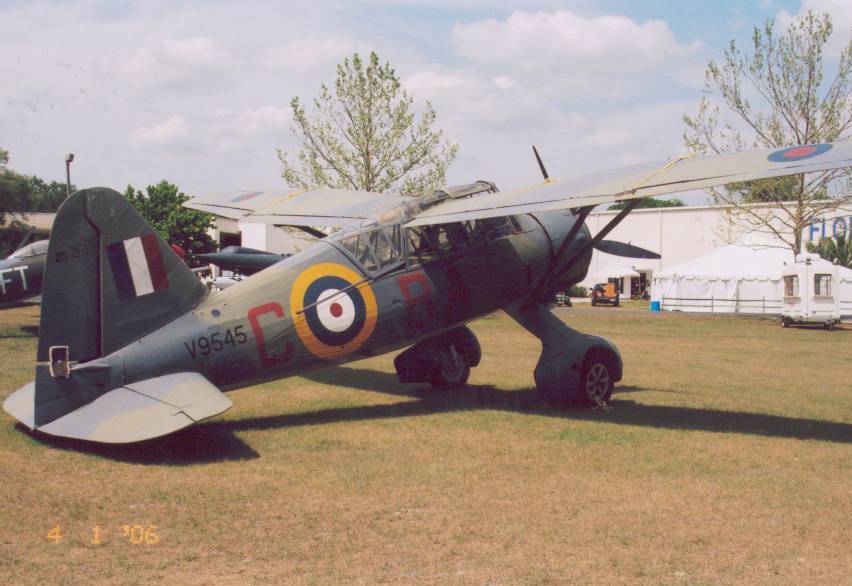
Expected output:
(829, 228)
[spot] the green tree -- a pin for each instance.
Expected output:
(364, 135)
(46, 197)
(838, 248)
(161, 207)
(774, 96)
(20, 194)
(651, 202)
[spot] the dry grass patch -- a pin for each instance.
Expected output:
(726, 459)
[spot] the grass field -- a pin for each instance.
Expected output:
(726, 459)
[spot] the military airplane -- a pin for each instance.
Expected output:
(132, 346)
(21, 273)
(241, 259)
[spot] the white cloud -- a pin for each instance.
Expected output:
(306, 56)
(426, 83)
(563, 41)
(263, 120)
(504, 83)
(187, 64)
(172, 131)
(201, 90)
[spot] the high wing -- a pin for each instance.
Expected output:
(315, 207)
(641, 181)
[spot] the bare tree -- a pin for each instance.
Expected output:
(776, 96)
(364, 135)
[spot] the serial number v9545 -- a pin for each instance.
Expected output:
(216, 341)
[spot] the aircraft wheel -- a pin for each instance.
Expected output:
(596, 382)
(784, 323)
(829, 325)
(452, 372)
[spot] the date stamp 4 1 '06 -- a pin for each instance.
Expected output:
(132, 534)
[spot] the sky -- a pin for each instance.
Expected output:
(198, 93)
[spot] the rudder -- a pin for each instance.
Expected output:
(109, 278)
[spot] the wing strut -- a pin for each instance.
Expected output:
(547, 279)
(579, 217)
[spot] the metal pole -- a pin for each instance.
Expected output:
(68, 159)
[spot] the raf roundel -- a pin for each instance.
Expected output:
(799, 153)
(334, 310)
(245, 196)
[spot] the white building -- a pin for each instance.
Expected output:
(680, 235)
(259, 236)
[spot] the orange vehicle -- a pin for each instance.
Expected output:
(605, 294)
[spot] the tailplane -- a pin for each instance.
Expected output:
(130, 413)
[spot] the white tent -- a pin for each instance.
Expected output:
(744, 277)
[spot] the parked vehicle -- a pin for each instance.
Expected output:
(816, 292)
(605, 294)
(563, 299)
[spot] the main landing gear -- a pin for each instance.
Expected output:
(572, 366)
(443, 361)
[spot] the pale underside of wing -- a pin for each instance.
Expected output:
(315, 207)
(643, 181)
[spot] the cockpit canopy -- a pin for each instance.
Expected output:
(30, 250)
(382, 244)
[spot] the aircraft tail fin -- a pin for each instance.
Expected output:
(109, 278)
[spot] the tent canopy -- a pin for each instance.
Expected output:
(744, 277)
(753, 258)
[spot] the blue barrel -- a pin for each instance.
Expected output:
(655, 306)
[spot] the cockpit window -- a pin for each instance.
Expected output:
(427, 242)
(388, 245)
(376, 249)
(34, 249)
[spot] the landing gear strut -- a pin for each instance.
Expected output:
(443, 361)
(572, 365)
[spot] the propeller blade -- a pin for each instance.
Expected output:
(627, 250)
(540, 164)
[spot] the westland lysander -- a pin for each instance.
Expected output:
(132, 346)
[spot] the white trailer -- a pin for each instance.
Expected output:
(815, 291)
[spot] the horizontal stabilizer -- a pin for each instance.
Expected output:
(135, 412)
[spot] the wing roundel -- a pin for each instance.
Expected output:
(639, 181)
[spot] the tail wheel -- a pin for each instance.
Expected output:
(596, 380)
(452, 372)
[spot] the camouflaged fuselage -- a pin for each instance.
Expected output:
(277, 323)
